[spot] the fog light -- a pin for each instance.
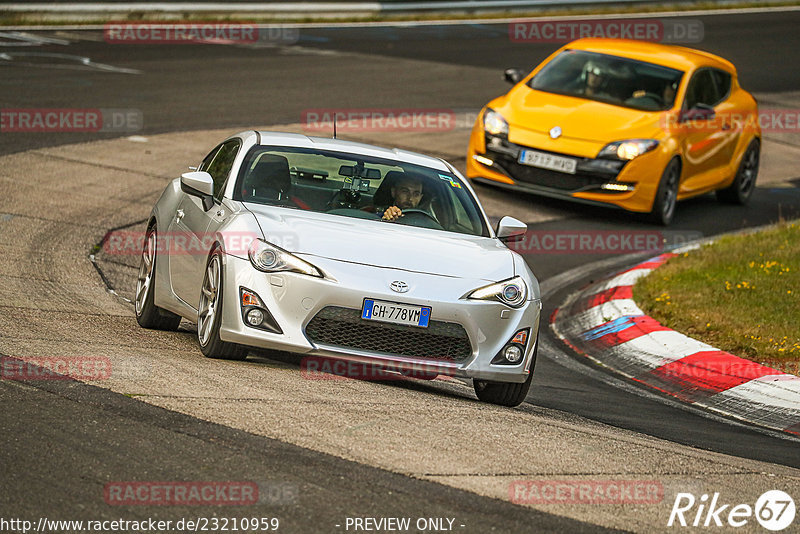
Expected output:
(255, 317)
(512, 353)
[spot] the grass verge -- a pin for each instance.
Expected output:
(740, 294)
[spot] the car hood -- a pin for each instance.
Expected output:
(578, 118)
(384, 244)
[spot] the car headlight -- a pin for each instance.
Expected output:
(512, 292)
(269, 258)
(628, 149)
(494, 123)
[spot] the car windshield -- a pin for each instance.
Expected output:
(358, 186)
(610, 79)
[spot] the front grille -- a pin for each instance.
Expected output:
(344, 327)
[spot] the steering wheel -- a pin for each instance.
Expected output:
(658, 99)
(414, 214)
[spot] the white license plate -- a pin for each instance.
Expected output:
(548, 161)
(393, 312)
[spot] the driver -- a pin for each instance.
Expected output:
(594, 80)
(406, 194)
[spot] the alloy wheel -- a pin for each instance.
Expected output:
(749, 170)
(146, 266)
(670, 193)
(209, 298)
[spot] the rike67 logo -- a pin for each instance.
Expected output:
(774, 510)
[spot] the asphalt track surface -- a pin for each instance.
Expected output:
(204, 87)
(85, 425)
(69, 431)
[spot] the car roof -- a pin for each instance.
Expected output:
(677, 57)
(267, 138)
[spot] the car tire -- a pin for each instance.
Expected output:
(148, 315)
(506, 393)
(667, 194)
(740, 191)
(209, 314)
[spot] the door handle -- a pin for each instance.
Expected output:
(220, 212)
(179, 215)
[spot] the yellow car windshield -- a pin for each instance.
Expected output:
(610, 79)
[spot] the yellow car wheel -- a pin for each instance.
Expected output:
(667, 194)
(741, 189)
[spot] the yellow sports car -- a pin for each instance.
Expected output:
(632, 124)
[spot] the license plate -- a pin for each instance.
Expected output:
(548, 161)
(393, 312)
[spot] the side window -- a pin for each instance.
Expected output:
(701, 90)
(220, 166)
(208, 159)
(465, 215)
(722, 80)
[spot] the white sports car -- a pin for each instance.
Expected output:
(341, 250)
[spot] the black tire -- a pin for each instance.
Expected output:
(740, 191)
(148, 315)
(506, 393)
(667, 194)
(211, 295)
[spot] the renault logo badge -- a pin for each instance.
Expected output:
(399, 286)
(555, 132)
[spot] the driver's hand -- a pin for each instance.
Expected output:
(392, 213)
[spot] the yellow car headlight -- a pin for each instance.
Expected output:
(494, 123)
(627, 149)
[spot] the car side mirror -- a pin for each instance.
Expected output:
(510, 229)
(199, 184)
(513, 76)
(698, 113)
